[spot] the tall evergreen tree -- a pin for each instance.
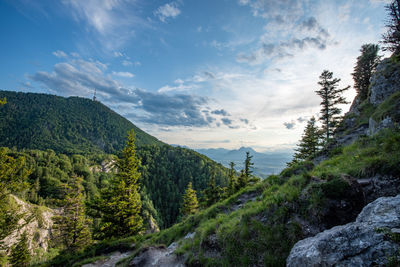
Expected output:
(72, 226)
(120, 204)
(365, 66)
(190, 203)
(213, 192)
(309, 143)
(248, 165)
(331, 98)
(20, 255)
(391, 38)
(232, 179)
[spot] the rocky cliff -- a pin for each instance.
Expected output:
(369, 241)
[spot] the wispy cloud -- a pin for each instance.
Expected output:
(123, 74)
(169, 10)
(114, 22)
(59, 54)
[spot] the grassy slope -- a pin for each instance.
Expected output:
(263, 231)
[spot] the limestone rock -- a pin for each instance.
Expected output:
(359, 243)
(385, 81)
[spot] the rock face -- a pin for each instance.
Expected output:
(37, 223)
(158, 256)
(364, 242)
(385, 81)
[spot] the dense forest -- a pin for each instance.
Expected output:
(71, 125)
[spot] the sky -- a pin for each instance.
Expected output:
(202, 74)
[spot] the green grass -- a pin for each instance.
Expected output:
(365, 158)
(263, 231)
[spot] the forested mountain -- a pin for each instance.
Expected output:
(67, 125)
(72, 136)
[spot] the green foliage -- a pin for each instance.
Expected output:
(166, 172)
(366, 157)
(72, 227)
(20, 255)
(309, 143)
(190, 203)
(296, 168)
(12, 180)
(120, 204)
(232, 180)
(213, 193)
(388, 108)
(391, 38)
(331, 98)
(365, 66)
(65, 125)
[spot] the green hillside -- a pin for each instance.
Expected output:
(71, 125)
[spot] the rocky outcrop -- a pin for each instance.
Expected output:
(158, 256)
(385, 81)
(36, 221)
(379, 186)
(365, 242)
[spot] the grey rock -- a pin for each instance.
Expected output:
(380, 186)
(354, 244)
(158, 256)
(375, 127)
(385, 81)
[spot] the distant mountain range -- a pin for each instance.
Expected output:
(264, 163)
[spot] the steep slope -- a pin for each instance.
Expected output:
(259, 225)
(65, 125)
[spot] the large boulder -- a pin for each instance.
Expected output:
(365, 242)
(385, 81)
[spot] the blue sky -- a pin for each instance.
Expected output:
(219, 73)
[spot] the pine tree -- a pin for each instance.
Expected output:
(245, 176)
(213, 192)
(309, 143)
(331, 98)
(120, 204)
(20, 254)
(232, 179)
(190, 203)
(365, 66)
(72, 226)
(391, 38)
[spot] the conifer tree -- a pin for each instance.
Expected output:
(248, 165)
(365, 66)
(20, 255)
(232, 179)
(391, 38)
(246, 174)
(190, 203)
(309, 143)
(72, 226)
(213, 192)
(331, 98)
(120, 203)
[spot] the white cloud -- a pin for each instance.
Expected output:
(123, 74)
(128, 63)
(117, 54)
(169, 10)
(113, 22)
(60, 54)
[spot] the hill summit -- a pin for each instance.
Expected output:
(65, 125)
